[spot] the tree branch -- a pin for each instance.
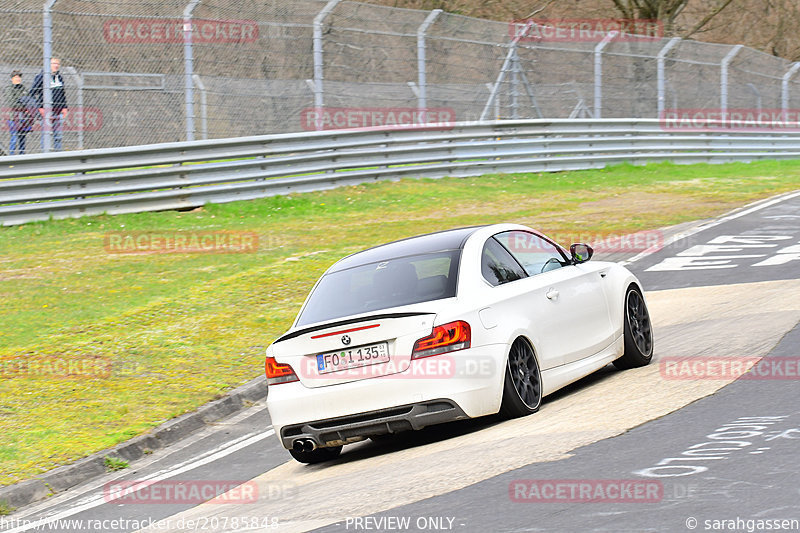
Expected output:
(705, 20)
(537, 11)
(626, 10)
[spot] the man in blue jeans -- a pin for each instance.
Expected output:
(59, 97)
(19, 118)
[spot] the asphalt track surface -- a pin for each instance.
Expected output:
(668, 449)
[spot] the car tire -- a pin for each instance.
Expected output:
(522, 385)
(638, 332)
(320, 455)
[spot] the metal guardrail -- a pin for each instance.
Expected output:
(190, 174)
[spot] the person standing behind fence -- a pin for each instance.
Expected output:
(59, 97)
(20, 121)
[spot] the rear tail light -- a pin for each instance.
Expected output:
(446, 338)
(278, 372)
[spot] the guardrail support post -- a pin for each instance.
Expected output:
(188, 60)
(785, 86)
(422, 82)
(661, 74)
(723, 87)
(598, 72)
(319, 72)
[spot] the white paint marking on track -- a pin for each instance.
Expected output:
(763, 204)
(158, 475)
(41, 508)
(96, 501)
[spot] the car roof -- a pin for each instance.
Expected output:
(439, 241)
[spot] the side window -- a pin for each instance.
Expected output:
(498, 266)
(534, 253)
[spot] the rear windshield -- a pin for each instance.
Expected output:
(375, 286)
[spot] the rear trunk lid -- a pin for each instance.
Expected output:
(357, 348)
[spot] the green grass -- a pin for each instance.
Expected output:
(5, 509)
(113, 464)
(162, 334)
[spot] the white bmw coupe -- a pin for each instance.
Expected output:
(446, 326)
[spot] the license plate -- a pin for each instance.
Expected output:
(353, 358)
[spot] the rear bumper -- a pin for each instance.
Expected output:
(472, 387)
(342, 430)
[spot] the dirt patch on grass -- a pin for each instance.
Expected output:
(640, 205)
(649, 202)
(37, 272)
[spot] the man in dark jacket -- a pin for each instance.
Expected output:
(19, 119)
(59, 97)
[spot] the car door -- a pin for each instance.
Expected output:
(509, 302)
(579, 324)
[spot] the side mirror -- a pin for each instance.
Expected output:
(580, 253)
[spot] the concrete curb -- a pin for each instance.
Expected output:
(170, 432)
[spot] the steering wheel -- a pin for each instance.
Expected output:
(548, 264)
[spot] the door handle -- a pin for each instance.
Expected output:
(552, 294)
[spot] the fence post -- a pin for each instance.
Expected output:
(661, 72)
(188, 65)
(598, 72)
(757, 94)
(47, 53)
(79, 84)
(515, 71)
(785, 86)
(319, 74)
(723, 87)
(203, 106)
(422, 82)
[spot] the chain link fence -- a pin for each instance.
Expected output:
(160, 71)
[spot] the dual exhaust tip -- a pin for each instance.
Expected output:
(304, 445)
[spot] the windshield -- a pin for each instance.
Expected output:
(381, 285)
